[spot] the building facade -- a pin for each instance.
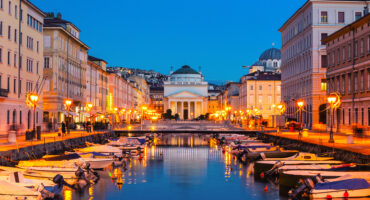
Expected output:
(21, 60)
(156, 95)
(186, 93)
(97, 85)
(304, 57)
(348, 74)
(260, 93)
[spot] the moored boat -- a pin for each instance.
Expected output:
(338, 189)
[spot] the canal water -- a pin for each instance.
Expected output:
(182, 169)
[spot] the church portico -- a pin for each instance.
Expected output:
(185, 93)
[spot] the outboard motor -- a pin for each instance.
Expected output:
(262, 156)
(82, 180)
(55, 193)
(274, 171)
(303, 190)
(90, 174)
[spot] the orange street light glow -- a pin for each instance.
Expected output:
(68, 102)
(300, 103)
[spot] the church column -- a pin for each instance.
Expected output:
(182, 110)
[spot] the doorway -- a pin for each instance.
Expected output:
(186, 114)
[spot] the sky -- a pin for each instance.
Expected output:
(220, 36)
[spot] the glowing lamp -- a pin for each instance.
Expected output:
(300, 103)
(89, 105)
(68, 102)
(332, 99)
(34, 98)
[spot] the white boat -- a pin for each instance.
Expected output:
(327, 167)
(330, 174)
(104, 149)
(63, 163)
(352, 188)
(129, 143)
(38, 174)
(302, 156)
(13, 191)
(18, 178)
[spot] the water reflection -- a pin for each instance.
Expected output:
(171, 172)
(182, 140)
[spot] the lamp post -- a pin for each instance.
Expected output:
(300, 105)
(142, 116)
(281, 108)
(68, 103)
(89, 107)
(34, 98)
(332, 99)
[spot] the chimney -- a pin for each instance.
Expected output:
(59, 15)
(171, 70)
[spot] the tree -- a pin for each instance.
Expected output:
(167, 114)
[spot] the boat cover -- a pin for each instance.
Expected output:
(348, 184)
(93, 153)
(63, 157)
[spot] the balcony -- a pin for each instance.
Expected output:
(4, 92)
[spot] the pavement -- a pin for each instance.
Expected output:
(45, 138)
(359, 145)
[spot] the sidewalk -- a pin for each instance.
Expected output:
(360, 145)
(45, 138)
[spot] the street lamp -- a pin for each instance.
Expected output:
(142, 116)
(332, 99)
(281, 108)
(300, 105)
(68, 103)
(89, 107)
(34, 98)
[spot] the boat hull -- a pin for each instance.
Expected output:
(322, 194)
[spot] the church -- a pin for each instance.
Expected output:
(186, 93)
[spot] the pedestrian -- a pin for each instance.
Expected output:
(63, 129)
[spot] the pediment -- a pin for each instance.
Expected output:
(185, 94)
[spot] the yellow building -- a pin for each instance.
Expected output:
(213, 105)
(260, 93)
(21, 59)
(65, 63)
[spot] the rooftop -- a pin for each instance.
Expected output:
(263, 76)
(185, 70)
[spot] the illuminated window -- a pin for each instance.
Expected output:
(323, 84)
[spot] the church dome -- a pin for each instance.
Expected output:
(186, 70)
(271, 54)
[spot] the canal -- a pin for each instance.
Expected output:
(180, 167)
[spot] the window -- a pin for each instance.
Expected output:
(344, 54)
(251, 87)
(1, 27)
(269, 99)
(29, 65)
(15, 35)
(1, 4)
(29, 42)
(20, 62)
(343, 117)
(1, 55)
(260, 87)
(362, 116)
(10, 8)
(37, 46)
(349, 116)
(355, 53)
(15, 86)
(29, 86)
(338, 56)
(349, 83)
(323, 85)
(362, 47)
(15, 60)
(8, 82)
(341, 17)
(9, 32)
(20, 38)
(260, 99)
(275, 64)
(358, 15)
(324, 17)
(349, 52)
(47, 66)
(356, 115)
(9, 58)
(362, 80)
(16, 11)
(269, 87)
(323, 37)
(37, 67)
(20, 117)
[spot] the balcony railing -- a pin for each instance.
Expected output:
(4, 92)
(184, 83)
